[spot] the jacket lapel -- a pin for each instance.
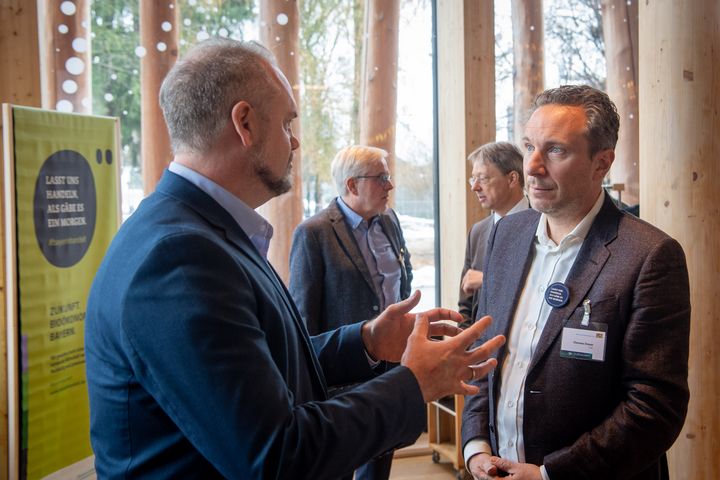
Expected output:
(348, 243)
(187, 193)
(589, 263)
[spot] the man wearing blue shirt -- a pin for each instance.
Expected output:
(349, 262)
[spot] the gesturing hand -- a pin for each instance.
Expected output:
(385, 337)
(443, 367)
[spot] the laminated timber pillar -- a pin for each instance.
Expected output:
(528, 55)
(466, 120)
(620, 32)
(66, 66)
(680, 146)
(378, 105)
(159, 52)
(20, 85)
(280, 32)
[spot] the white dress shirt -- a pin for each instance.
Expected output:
(551, 263)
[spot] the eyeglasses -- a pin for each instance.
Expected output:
(382, 178)
(481, 180)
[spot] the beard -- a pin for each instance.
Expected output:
(276, 184)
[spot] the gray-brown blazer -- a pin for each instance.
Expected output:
(585, 419)
(474, 259)
(329, 279)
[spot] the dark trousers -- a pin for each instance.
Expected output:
(376, 469)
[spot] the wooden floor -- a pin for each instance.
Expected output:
(415, 463)
(417, 468)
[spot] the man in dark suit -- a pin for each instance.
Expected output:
(497, 180)
(592, 383)
(349, 262)
(198, 365)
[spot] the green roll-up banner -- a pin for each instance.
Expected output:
(66, 191)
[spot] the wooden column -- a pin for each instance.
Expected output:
(279, 31)
(466, 120)
(159, 52)
(19, 84)
(66, 66)
(378, 104)
(528, 54)
(620, 31)
(680, 131)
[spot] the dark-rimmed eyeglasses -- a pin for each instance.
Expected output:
(382, 178)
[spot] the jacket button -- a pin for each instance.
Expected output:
(376, 308)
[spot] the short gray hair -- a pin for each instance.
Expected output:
(603, 121)
(504, 155)
(353, 161)
(200, 90)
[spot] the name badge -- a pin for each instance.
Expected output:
(583, 343)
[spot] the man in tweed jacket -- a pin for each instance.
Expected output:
(348, 262)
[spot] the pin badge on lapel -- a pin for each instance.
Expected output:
(557, 295)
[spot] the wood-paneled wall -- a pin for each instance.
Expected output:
(679, 192)
(466, 120)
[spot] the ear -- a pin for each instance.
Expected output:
(351, 184)
(245, 123)
(603, 161)
(514, 178)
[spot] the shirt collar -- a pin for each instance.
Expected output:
(252, 223)
(522, 204)
(579, 232)
(353, 219)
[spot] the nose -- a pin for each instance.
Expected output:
(534, 164)
(476, 187)
(389, 185)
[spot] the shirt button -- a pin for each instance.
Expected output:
(511, 404)
(375, 308)
(510, 443)
(542, 288)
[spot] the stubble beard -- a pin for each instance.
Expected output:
(276, 185)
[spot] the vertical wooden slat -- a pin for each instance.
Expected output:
(66, 66)
(620, 31)
(19, 84)
(680, 146)
(466, 120)
(19, 53)
(528, 54)
(279, 31)
(159, 52)
(378, 104)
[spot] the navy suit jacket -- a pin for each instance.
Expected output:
(586, 419)
(198, 364)
(329, 279)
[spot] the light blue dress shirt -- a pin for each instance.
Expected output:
(378, 253)
(252, 223)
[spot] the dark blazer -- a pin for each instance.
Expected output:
(587, 419)
(474, 259)
(199, 366)
(329, 279)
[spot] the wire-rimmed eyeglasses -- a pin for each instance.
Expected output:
(482, 180)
